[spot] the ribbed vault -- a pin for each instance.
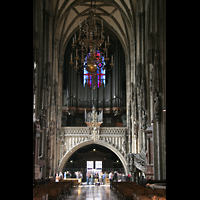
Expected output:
(117, 15)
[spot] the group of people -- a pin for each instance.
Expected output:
(101, 177)
(58, 177)
(113, 177)
(96, 178)
(116, 177)
(93, 178)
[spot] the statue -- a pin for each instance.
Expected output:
(157, 107)
(124, 146)
(93, 121)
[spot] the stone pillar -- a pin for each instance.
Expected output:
(37, 173)
(128, 103)
(60, 78)
(140, 132)
(144, 120)
(156, 138)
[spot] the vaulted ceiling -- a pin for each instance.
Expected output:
(118, 16)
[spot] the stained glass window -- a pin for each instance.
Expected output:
(101, 73)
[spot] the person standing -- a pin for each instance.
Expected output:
(91, 176)
(110, 176)
(100, 177)
(115, 178)
(104, 178)
(61, 175)
(57, 178)
(81, 177)
(87, 177)
(65, 175)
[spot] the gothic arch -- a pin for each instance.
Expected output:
(66, 157)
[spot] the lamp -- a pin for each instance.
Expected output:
(89, 43)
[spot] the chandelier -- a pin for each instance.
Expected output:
(89, 44)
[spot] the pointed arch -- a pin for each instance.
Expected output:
(68, 154)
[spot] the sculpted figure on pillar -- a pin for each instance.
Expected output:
(157, 107)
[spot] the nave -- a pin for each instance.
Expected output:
(91, 192)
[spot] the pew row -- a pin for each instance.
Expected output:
(54, 190)
(133, 191)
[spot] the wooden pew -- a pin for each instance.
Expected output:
(126, 189)
(40, 193)
(53, 191)
(140, 197)
(160, 192)
(74, 181)
(127, 193)
(39, 197)
(158, 197)
(66, 187)
(149, 194)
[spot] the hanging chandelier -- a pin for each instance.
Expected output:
(88, 46)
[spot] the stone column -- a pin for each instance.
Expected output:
(60, 78)
(128, 103)
(37, 173)
(156, 138)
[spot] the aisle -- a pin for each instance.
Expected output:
(91, 192)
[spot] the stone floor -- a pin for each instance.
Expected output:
(91, 192)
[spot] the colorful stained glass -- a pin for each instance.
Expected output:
(101, 73)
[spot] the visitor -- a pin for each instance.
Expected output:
(80, 176)
(110, 178)
(104, 178)
(128, 178)
(123, 178)
(57, 178)
(91, 178)
(77, 175)
(68, 174)
(65, 175)
(100, 178)
(60, 175)
(87, 177)
(115, 179)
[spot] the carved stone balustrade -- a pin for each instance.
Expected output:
(73, 138)
(116, 136)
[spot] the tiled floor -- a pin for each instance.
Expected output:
(91, 192)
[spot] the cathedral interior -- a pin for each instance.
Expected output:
(99, 86)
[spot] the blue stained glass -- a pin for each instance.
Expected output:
(101, 74)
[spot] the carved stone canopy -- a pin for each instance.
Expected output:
(149, 129)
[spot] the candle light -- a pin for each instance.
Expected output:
(111, 58)
(71, 57)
